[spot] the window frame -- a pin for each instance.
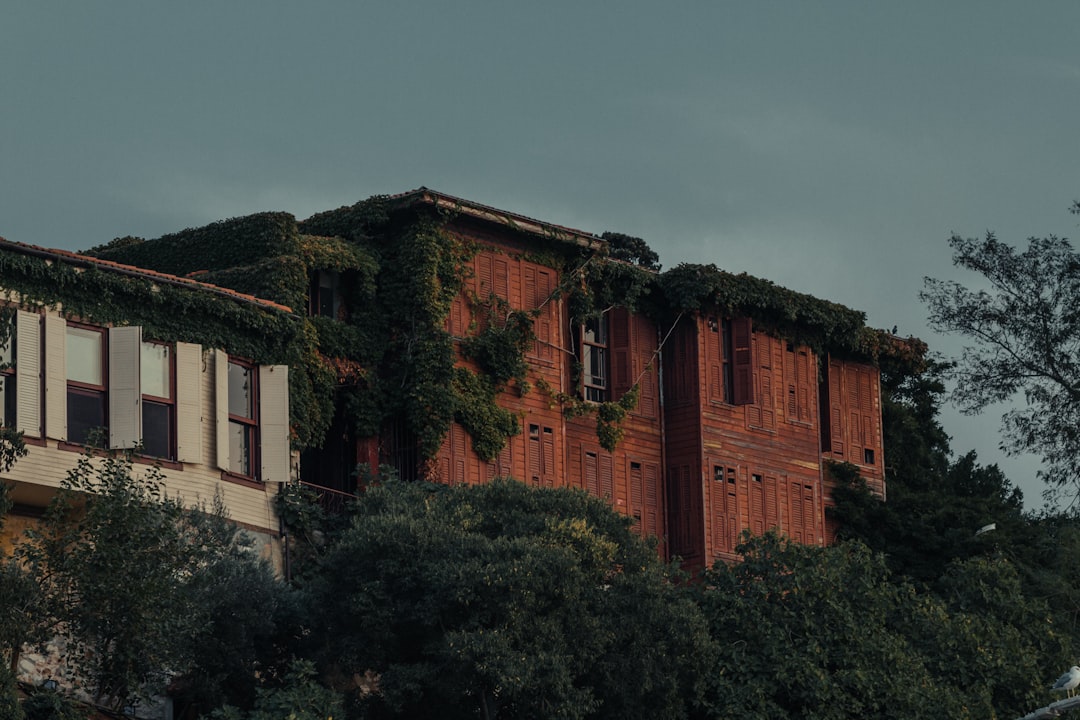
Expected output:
(169, 403)
(9, 404)
(596, 389)
(249, 425)
(85, 389)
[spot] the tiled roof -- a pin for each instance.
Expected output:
(502, 217)
(73, 258)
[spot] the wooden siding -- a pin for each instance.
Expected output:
(734, 441)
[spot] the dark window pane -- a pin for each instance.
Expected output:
(7, 389)
(156, 426)
(85, 413)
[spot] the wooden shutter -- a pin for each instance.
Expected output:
(501, 279)
(836, 422)
(591, 463)
(653, 510)
(804, 383)
(483, 275)
(772, 503)
(714, 358)
(548, 469)
(717, 508)
(757, 504)
(637, 496)
(125, 397)
(502, 465)
(55, 377)
(620, 334)
(189, 392)
(795, 527)
(221, 407)
(742, 359)
(27, 373)
(274, 440)
(607, 477)
(535, 458)
(810, 508)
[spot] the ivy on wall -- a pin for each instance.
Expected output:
(391, 358)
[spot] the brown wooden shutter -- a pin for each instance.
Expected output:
(637, 496)
(717, 498)
(620, 333)
(548, 469)
(592, 473)
(535, 460)
(757, 504)
(484, 275)
(714, 358)
(652, 499)
(836, 417)
(772, 502)
(742, 337)
(795, 526)
(607, 477)
(501, 281)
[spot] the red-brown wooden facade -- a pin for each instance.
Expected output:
(737, 439)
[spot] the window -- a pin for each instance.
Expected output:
(243, 422)
(7, 380)
(251, 413)
(594, 358)
(86, 389)
(158, 400)
(325, 298)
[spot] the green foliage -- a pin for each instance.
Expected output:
(144, 588)
(165, 311)
(504, 600)
(279, 278)
(224, 244)
(299, 697)
(10, 707)
(632, 250)
(800, 318)
(111, 557)
(479, 414)
(609, 417)
(51, 705)
(1025, 335)
(808, 633)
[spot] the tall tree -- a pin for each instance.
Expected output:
(1024, 325)
(504, 601)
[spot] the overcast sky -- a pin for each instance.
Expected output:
(829, 146)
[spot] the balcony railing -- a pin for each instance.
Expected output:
(333, 502)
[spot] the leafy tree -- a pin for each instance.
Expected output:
(1025, 328)
(146, 589)
(632, 249)
(811, 632)
(504, 601)
(301, 697)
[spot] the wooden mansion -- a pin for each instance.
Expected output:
(455, 342)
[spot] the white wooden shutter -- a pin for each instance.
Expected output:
(189, 402)
(125, 396)
(55, 377)
(274, 422)
(221, 407)
(28, 373)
